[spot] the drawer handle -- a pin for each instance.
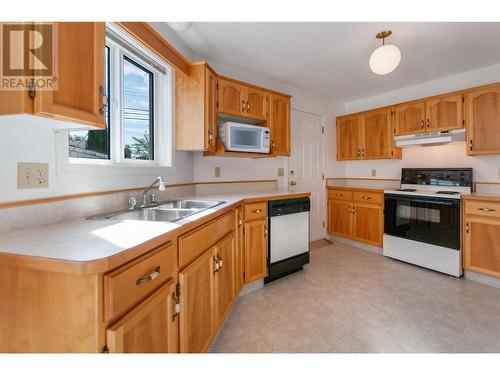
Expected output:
(487, 209)
(153, 275)
(366, 197)
(257, 211)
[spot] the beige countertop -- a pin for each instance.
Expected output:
(85, 240)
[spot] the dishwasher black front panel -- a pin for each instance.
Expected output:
(292, 264)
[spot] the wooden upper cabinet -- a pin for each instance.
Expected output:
(445, 113)
(80, 96)
(255, 250)
(409, 118)
(483, 120)
(149, 327)
(232, 99)
(195, 109)
(256, 103)
(378, 143)
(198, 311)
(210, 110)
(279, 124)
(349, 137)
(225, 280)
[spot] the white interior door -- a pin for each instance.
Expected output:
(305, 165)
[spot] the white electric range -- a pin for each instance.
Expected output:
(422, 219)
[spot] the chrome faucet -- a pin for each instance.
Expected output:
(161, 187)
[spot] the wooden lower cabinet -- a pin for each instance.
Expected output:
(151, 327)
(356, 219)
(482, 237)
(239, 249)
(197, 300)
(255, 250)
(207, 293)
(225, 277)
(368, 223)
(339, 218)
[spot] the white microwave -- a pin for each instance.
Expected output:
(242, 137)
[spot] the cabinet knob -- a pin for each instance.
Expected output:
(428, 122)
(366, 197)
(258, 211)
(422, 123)
(243, 106)
(248, 106)
(339, 195)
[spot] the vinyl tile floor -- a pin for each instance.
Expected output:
(349, 300)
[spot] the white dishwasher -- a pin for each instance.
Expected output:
(288, 240)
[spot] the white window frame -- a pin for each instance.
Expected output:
(163, 117)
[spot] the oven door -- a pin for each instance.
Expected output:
(424, 219)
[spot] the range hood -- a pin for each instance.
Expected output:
(430, 139)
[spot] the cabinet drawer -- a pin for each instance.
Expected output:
(343, 195)
(131, 283)
(194, 243)
(255, 211)
(483, 208)
(368, 197)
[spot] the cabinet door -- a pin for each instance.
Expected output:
(445, 113)
(239, 251)
(483, 120)
(210, 110)
(368, 224)
(197, 301)
(339, 218)
(410, 118)
(482, 245)
(225, 280)
(151, 327)
(231, 98)
(255, 250)
(349, 136)
(256, 103)
(378, 135)
(81, 84)
(279, 124)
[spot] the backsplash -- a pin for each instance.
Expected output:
(36, 215)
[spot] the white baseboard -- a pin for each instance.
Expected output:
(481, 278)
(252, 287)
(359, 245)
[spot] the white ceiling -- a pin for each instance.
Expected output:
(332, 58)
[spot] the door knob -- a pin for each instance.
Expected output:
(293, 183)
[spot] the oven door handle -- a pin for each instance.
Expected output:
(418, 200)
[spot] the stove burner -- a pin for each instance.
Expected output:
(448, 192)
(409, 190)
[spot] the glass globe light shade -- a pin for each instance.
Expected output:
(385, 59)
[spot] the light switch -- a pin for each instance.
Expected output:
(374, 172)
(216, 171)
(281, 172)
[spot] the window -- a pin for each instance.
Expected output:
(138, 116)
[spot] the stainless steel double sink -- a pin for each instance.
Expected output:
(167, 211)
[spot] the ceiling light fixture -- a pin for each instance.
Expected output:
(180, 26)
(385, 58)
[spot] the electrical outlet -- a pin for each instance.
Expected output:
(216, 171)
(32, 175)
(374, 172)
(281, 172)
